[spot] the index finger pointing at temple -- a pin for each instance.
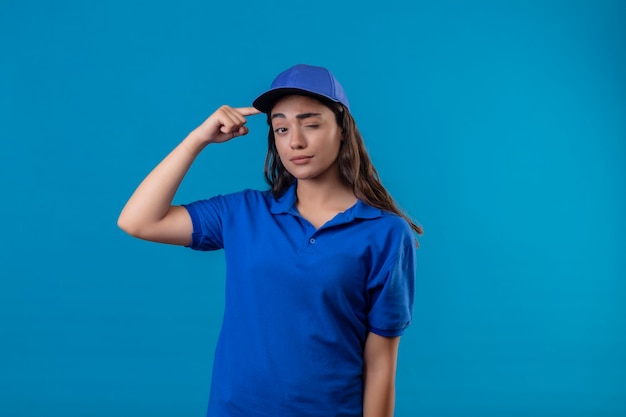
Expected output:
(247, 111)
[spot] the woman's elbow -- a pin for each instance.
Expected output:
(129, 226)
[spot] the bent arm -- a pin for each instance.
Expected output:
(149, 213)
(379, 374)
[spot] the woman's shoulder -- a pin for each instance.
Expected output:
(248, 194)
(397, 225)
(385, 219)
(238, 199)
(387, 226)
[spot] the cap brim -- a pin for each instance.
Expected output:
(266, 101)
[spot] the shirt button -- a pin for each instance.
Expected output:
(312, 240)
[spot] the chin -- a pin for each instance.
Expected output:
(302, 174)
(304, 177)
(311, 173)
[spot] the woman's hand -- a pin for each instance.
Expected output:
(223, 125)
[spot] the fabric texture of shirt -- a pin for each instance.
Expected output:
(300, 302)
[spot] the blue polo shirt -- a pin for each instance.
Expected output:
(300, 302)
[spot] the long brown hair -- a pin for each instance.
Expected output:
(355, 167)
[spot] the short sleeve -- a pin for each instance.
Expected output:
(391, 293)
(207, 219)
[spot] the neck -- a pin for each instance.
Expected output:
(314, 193)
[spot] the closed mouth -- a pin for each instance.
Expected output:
(300, 157)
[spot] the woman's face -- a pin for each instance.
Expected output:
(307, 137)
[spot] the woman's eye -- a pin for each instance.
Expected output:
(313, 126)
(280, 130)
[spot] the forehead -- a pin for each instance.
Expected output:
(295, 104)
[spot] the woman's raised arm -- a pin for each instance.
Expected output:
(149, 213)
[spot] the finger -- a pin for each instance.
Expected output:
(242, 131)
(230, 120)
(246, 111)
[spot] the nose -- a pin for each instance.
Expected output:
(296, 139)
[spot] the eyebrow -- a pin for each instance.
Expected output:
(298, 116)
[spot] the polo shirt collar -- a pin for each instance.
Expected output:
(287, 204)
(362, 210)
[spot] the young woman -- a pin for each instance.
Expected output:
(320, 267)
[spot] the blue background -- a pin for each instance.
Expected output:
(499, 126)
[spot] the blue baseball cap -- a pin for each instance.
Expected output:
(309, 80)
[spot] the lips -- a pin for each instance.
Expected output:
(300, 158)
